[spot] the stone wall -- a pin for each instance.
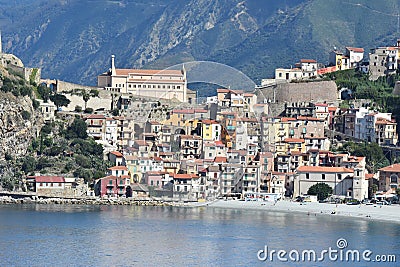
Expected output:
(63, 86)
(300, 92)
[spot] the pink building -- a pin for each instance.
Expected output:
(113, 186)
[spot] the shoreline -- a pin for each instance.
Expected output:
(386, 213)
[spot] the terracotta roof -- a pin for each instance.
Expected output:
(391, 168)
(209, 122)
(49, 179)
(308, 61)
(116, 153)
(355, 49)
(294, 140)
(383, 121)
(248, 94)
(220, 159)
(320, 169)
(369, 176)
(286, 119)
(184, 176)
(115, 168)
(125, 72)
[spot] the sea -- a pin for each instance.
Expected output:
(73, 235)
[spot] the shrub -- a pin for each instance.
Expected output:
(78, 108)
(88, 110)
(26, 115)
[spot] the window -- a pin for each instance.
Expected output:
(323, 176)
(307, 176)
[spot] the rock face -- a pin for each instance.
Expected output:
(16, 132)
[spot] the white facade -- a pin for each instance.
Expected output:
(338, 178)
(167, 84)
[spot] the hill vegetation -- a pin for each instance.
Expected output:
(72, 40)
(62, 147)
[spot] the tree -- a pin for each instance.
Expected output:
(86, 97)
(60, 100)
(44, 92)
(375, 157)
(322, 190)
(77, 129)
(26, 115)
(29, 164)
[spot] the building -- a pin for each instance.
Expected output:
(355, 54)
(389, 178)
(166, 84)
(383, 61)
(340, 179)
(112, 186)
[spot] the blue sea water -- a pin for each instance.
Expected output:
(62, 235)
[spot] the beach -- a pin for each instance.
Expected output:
(369, 212)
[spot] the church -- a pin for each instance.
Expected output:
(166, 84)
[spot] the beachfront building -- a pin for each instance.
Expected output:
(389, 178)
(167, 84)
(113, 186)
(340, 179)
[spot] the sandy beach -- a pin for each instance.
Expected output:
(369, 212)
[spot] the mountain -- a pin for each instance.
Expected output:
(73, 40)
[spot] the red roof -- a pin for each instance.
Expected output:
(116, 153)
(294, 140)
(308, 61)
(115, 168)
(220, 159)
(49, 179)
(184, 176)
(355, 49)
(391, 168)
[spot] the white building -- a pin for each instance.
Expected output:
(167, 84)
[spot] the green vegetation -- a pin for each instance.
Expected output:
(66, 150)
(32, 77)
(379, 91)
(375, 158)
(321, 190)
(60, 100)
(26, 115)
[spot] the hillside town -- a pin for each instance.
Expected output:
(277, 139)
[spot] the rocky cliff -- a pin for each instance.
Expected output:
(16, 129)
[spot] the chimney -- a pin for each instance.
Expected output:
(113, 72)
